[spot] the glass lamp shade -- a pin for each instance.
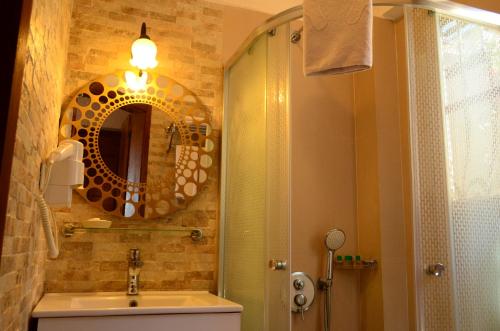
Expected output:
(135, 82)
(144, 54)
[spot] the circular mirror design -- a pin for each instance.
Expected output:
(146, 152)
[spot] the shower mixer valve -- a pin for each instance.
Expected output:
(302, 293)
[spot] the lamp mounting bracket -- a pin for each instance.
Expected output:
(143, 31)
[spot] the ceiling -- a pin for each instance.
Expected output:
(265, 6)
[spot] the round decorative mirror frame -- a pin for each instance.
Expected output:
(82, 121)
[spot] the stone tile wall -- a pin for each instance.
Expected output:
(22, 266)
(188, 34)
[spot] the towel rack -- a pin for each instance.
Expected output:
(69, 230)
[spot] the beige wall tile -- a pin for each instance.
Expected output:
(23, 258)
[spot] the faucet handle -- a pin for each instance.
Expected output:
(135, 254)
(136, 264)
(135, 258)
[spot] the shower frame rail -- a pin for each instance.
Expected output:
(440, 6)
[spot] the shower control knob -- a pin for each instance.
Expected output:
(300, 300)
(298, 284)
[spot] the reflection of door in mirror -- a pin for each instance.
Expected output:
(124, 142)
(137, 131)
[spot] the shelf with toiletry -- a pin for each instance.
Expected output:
(347, 262)
(69, 229)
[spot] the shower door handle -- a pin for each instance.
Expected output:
(435, 269)
(275, 264)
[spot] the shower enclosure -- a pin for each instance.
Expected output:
(453, 111)
(255, 184)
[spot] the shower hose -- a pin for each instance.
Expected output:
(328, 308)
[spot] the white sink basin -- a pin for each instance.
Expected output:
(146, 303)
(106, 301)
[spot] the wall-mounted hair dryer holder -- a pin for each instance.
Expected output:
(65, 172)
(59, 174)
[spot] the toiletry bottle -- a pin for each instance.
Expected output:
(348, 260)
(357, 261)
(339, 260)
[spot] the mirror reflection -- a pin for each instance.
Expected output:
(138, 142)
(142, 144)
(124, 142)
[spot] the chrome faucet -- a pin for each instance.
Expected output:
(134, 269)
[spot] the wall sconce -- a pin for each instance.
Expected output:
(143, 51)
(143, 57)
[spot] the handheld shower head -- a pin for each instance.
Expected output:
(334, 239)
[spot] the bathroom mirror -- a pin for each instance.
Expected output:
(147, 152)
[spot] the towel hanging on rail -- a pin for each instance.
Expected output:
(337, 36)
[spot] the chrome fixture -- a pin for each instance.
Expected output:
(69, 230)
(302, 293)
(334, 239)
(171, 133)
(298, 284)
(134, 269)
(435, 269)
(277, 264)
(296, 35)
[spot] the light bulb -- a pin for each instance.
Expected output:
(135, 82)
(143, 54)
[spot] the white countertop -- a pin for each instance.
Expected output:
(118, 303)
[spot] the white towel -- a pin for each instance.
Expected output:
(337, 36)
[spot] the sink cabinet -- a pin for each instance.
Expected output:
(170, 322)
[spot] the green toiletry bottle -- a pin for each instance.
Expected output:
(339, 260)
(348, 260)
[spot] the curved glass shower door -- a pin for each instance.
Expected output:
(455, 102)
(255, 184)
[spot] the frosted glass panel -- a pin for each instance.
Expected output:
(455, 104)
(245, 188)
(470, 73)
(256, 179)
